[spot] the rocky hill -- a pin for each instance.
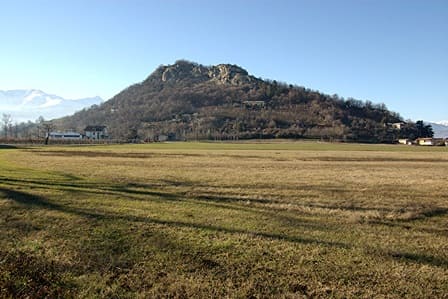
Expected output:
(190, 101)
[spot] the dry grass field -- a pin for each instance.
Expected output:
(236, 220)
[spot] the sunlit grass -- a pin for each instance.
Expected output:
(224, 220)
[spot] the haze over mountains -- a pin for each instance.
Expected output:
(29, 104)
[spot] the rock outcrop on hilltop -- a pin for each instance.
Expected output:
(187, 71)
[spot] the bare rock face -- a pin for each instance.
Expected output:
(187, 71)
(229, 74)
(167, 75)
(183, 70)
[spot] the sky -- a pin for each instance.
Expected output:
(385, 51)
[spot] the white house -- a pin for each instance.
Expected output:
(425, 141)
(96, 132)
(405, 141)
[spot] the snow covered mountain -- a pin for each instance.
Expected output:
(442, 122)
(440, 128)
(29, 104)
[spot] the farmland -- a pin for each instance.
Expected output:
(181, 220)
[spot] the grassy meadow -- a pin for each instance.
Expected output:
(224, 220)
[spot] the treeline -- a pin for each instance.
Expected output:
(12, 129)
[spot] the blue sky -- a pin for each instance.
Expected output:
(386, 51)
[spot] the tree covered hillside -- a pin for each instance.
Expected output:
(190, 101)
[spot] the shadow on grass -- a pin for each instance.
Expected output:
(78, 186)
(296, 203)
(135, 191)
(133, 155)
(27, 199)
(273, 208)
(41, 202)
(28, 276)
(37, 201)
(134, 188)
(130, 193)
(420, 259)
(435, 212)
(406, 217)
(7, 146)
(340, 193)
(99, 154)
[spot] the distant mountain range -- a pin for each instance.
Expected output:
(440, 128)
(29, 104)
(442, 122)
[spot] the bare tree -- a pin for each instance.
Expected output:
(16, 130)
(39, 121)
(7, 123)
(47, 127)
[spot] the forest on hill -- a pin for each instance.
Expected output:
(189, 101)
